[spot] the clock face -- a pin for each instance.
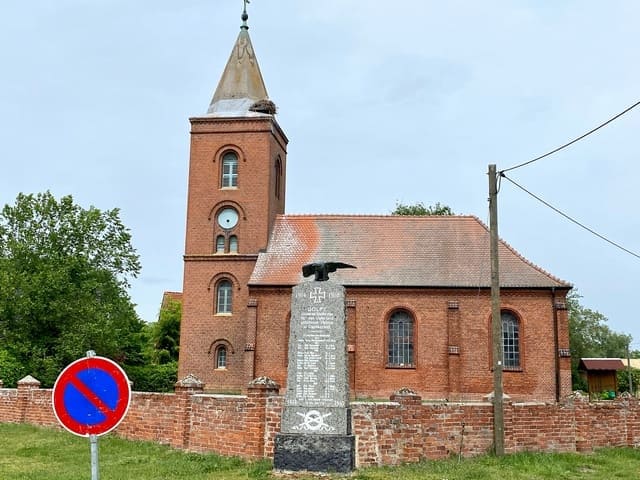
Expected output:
(228, 218)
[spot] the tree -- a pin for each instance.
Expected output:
(421, 210)
(162, 339)
(165, 333)
(589, 336)
(64, 275)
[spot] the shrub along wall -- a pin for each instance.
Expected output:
(405, 429)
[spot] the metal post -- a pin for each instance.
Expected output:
(496, 320)
(95, 471)
(93, 441)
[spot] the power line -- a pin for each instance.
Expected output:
(575, 140)
(569, 218)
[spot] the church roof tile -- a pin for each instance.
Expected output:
(402, 251)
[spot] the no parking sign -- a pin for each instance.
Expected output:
(91, 396)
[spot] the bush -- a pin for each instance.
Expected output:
(153, 378)
(10, 370)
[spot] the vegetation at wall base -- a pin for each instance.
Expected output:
(29, 452)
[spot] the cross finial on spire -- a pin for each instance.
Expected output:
(245, 16)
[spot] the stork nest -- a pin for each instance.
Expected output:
(264, 106)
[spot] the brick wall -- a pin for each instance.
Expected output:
(452, 347)
(405, 429)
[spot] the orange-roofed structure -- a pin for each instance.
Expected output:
(418, 303)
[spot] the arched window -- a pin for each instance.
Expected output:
(223, 296)
(220, 244)
(400, 339)
(229, 170)
(278, 176)
(510, 340)
(233, 244)
(221, 357)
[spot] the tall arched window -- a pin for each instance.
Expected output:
(233, 244)
(224, 293)
(229, 170)
(221, 357)
(510, 340)
(278, 177)
(400, 339)
(220, 244)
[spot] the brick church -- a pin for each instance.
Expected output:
(418, 304)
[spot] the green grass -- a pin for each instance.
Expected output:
(28, 452)
(622, 464)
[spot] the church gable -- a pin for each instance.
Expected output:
(403, 251)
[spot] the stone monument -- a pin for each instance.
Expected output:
(315, 433)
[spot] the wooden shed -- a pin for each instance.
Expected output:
(600, 373)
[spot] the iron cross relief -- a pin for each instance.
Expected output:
(318, 295)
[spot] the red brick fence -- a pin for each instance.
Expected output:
(402, 430)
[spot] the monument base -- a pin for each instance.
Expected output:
(315, 453)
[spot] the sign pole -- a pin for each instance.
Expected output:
(93, 441)
(95, 470)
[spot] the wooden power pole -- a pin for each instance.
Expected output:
(496, 320)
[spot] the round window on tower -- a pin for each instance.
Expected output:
(228, 218)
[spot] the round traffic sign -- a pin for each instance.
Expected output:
(91, 396)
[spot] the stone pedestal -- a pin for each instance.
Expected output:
(316, 420)
(315, 453)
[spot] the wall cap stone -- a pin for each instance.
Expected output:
(29, 381)
(264, 383)
(190, 381)
(490, 395)
(578, 396)
(405, 395)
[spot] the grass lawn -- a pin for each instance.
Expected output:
(28, 452)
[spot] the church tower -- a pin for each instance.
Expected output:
(236, 188)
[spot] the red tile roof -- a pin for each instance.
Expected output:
(170, 297)
(407, 251)
(601, 364)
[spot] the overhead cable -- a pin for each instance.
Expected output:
(574, 140)
(571, 219)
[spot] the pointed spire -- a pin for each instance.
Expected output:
(241, 84)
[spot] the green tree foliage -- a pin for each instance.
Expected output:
(64, 274)
(153, 377)
(590, 337)
(165, 333)
(162, 339)
(623, 379)
(420, 209)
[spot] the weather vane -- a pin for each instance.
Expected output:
(245, 16)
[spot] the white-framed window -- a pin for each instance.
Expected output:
(229, 170)
(224, 292)
(233, 244)
(221, 357)
(220, 244)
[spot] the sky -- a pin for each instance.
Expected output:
(384, 101)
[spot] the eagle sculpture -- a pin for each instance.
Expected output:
(323, 269)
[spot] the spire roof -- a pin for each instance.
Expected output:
(241, 84)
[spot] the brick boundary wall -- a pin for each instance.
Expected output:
(404, 429)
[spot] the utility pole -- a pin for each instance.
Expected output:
(496, 320)
(629, 366)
